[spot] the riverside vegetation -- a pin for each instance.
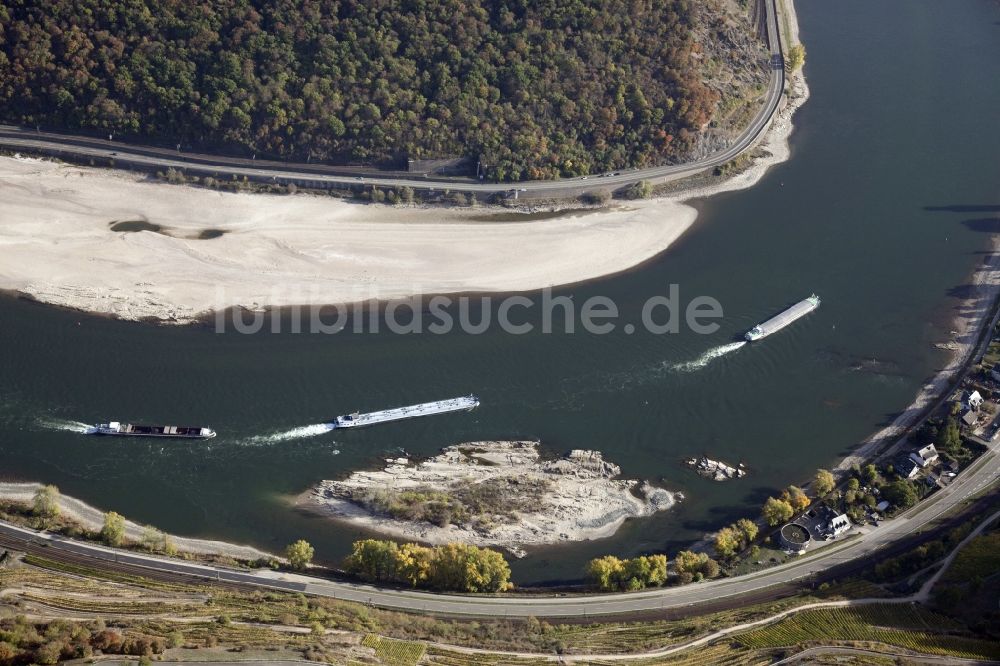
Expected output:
(210, 623)
(536, 90)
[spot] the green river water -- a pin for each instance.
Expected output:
(884, 209)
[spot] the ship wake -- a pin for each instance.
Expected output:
(66, 425)
(707, 357)
(295, 433)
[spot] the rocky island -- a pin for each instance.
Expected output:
(716, 470)
(500, 494)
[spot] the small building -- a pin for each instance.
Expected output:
(969, 418)
(882, 506)
(794, 538)
(905, 467)
(974, 401)
(838, 525)
(924, 456)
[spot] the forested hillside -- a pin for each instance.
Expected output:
(538, 88)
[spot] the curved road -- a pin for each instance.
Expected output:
(151, 159)
(979, 476)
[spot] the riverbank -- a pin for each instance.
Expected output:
(92, 518)
(110, 243)
(500, 494)
(973, 310)
(115, 243)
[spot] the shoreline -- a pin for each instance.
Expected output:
(93, 518)
(966, 334)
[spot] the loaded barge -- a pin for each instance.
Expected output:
(118, 429)
(357, 420)
(778, 322)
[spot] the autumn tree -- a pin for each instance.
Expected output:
(605, 572)
(748, 529)
(113, 531)
(532, 90)
(796, 498)
(468, 568)
(823, 482)
(777, 511)
(299, 554)
(696, 565)
(796, 57)
(45, 504)
(727, 542)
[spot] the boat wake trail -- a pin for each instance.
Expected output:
(295, 433)
(707, 357)
(65, 424)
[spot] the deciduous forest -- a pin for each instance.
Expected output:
(536, 88)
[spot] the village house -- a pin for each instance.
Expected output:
(924, 456)
(905, 466)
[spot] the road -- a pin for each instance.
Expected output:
(979, 476)
(305, 175)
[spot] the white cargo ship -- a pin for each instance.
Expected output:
(778, 322)
(118, 429)
(357, 420)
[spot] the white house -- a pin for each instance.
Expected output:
(975, 401)
(924, 456)
(838, 525)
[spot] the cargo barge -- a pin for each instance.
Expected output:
(118, 429)
(357, 420)
(778, 322)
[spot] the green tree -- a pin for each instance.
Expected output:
(45, 504)
(901, 493)
(870, 474)
(823, 482)
(777, 511)
(113, 531)
(299, 554)
(951, 437)
(641, 190)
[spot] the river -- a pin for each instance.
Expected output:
(884, 209)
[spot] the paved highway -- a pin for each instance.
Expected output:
(979, 476)
(153, 159)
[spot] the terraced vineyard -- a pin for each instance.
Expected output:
(394, 652)
(722, 654)
(980, 556)
(901, 625)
